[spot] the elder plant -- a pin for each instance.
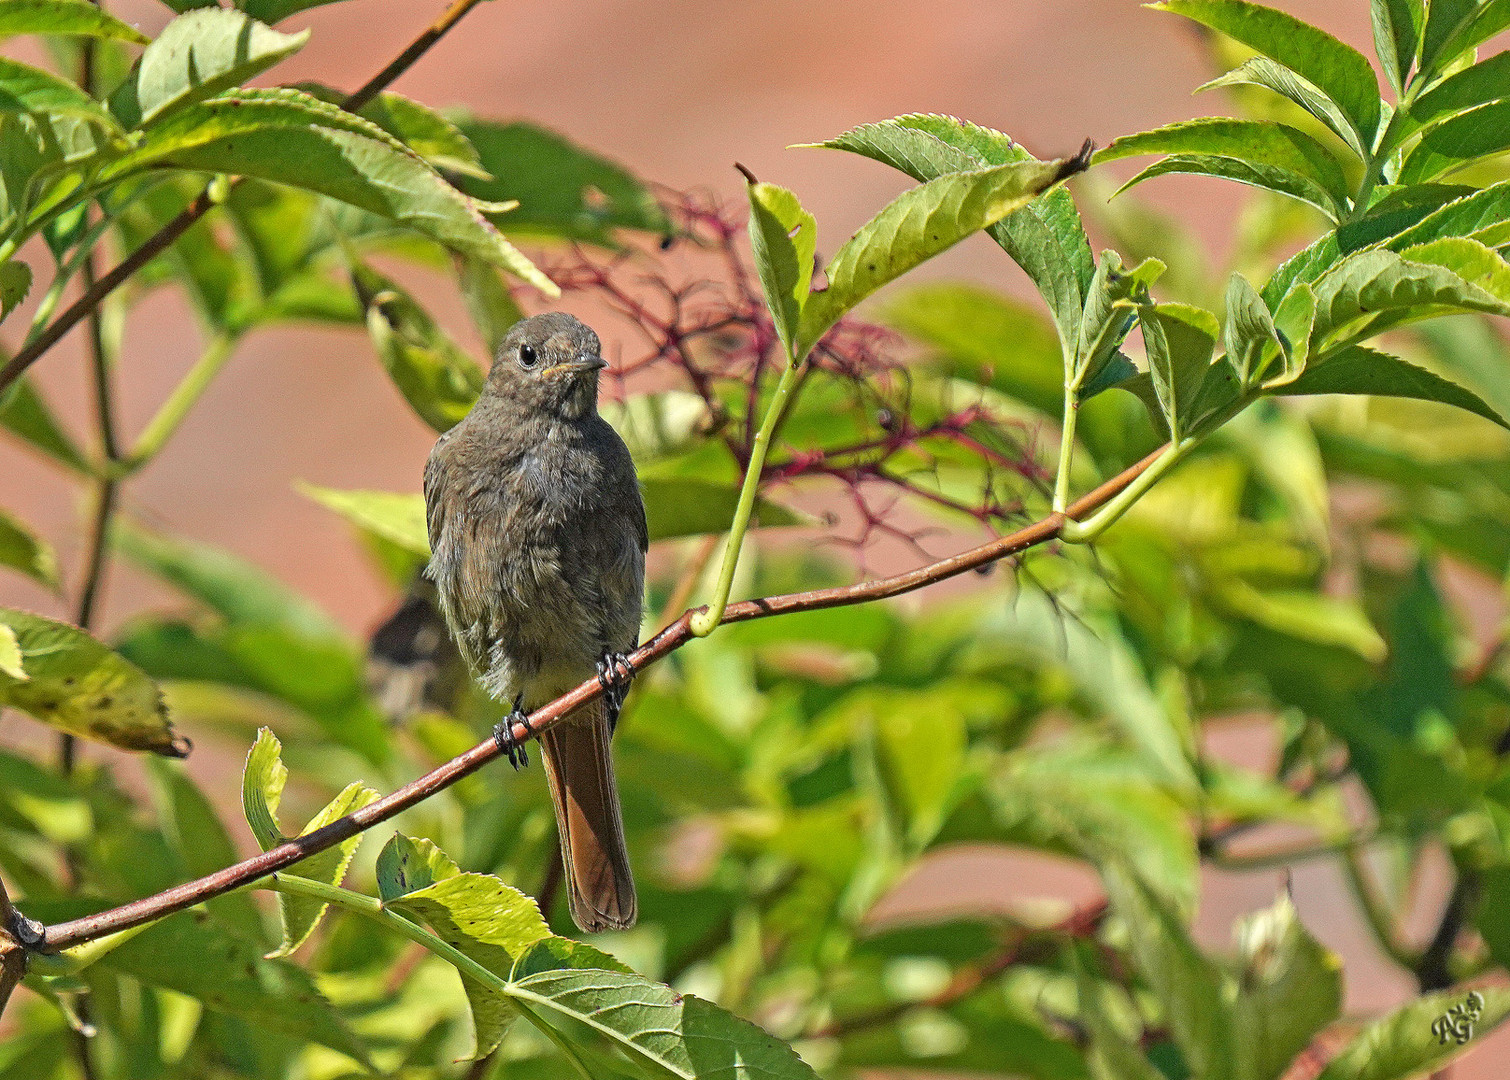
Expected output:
(816, 759)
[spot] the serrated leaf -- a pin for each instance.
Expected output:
(1339, 71)
(1358, 369)
(1179, 340)
(438, 379)
(190, 954)
(918, 225)
(1189, 987)
(22, 551)
(1261, 71)
(1410, 1042)
(15, 283)
(420, 128)
(301, 914)
(262, 780)
(1445, 19)
(1397, 32)
(1045, 237)
(1248, 335)
(783, 240)
(1111, 307)
(563, 190)
(658, 1028)
(10, 655)
(1480, 215)
(78, 685)
(293, 138)
(198, 55)
(26, 414)
(1289, 988)
(407, 865)
(1272, 155)
(1459, 141)
(71, 17)
(491, 923)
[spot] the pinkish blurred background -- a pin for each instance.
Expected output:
(677, 90)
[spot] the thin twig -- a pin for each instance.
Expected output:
(161, 240)
(673, 637)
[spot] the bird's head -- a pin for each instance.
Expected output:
(549, 363)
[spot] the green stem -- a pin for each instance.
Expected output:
(372, 908)
(705, 621)
(1083, 532)
(172, 412)
(1066, 448)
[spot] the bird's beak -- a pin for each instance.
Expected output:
(582, 363)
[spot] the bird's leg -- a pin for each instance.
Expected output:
(615, 673)
(503, 734)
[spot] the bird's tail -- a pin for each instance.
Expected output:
(580, 769)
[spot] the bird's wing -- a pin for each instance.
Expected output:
(435, 482)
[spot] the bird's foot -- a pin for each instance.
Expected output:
(615, 673)
(503, 735)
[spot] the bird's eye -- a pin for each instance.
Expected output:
(527, 356)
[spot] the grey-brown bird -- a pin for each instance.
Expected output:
(538, 539)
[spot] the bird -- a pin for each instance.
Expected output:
(538, 536)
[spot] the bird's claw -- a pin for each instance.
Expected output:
(503, 735)
(615, 673)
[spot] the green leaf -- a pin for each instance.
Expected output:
(262, 780)
(1179, 340)
(194, 830)
(301, 914)
(396, 517)
(1189, 987)
(1486, 81)
(25, 413)
(490, 922)
(20, 550)
(1358, 369)
(488, 300)
(1290, 987)
(659, 426)
(1309, 616)
(682, 506)
(922, 758)
(437, 377)
(1458, 142)
(15, 283)
(1420, 1037)
(10, 655)
(271, 11)
(73, 17)
(78, 685)
(407, 865)
(1397, 33)
(1339, 71)
(421, 129)
(198, 55)
(1249, 336)
(1261, 71)
(917, 226)
(25, 89)
(1111, 305)
(783, 239)
(1480, 215)
(1263, 153)
(292, 138)
(1440, 40)
(1044, 237)
(659, 1029)
(190, 954)
(563, 190)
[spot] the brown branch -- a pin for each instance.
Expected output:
(673, 637)
(161, 240)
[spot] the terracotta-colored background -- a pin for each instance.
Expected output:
(677, 90)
